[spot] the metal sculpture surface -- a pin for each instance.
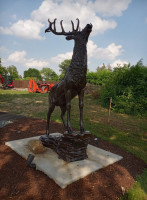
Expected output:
(74, 80)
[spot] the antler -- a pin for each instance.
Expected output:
(53, 29)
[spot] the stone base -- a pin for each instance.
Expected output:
(69, 147)
(61, 172)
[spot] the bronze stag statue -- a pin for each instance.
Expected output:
(74, 80)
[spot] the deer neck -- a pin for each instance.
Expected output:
(79, 58)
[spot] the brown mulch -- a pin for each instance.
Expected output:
(18, 181)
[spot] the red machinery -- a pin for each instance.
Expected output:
(7, 81)
(39, 88)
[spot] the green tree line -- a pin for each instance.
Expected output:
(45, 74)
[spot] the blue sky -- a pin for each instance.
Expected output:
(119, 32)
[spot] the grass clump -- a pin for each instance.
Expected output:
(139, 190)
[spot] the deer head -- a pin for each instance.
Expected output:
(74, 34)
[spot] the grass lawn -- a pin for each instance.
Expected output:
(128, 132)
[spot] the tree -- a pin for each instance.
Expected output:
(3, 70)
(63, 66)
(101, 68)
(19, 77)
(104, 67)
(12, 70)
(48, 74)
(31, 72)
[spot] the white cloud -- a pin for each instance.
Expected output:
(6, 31)
(108, 53)
(86, 11)
(17, 57)
(118, 63)
(70, 11)
(61, 57)
(32, 63)
(20, 57)
(75, 8)
(115, 50)
(24, 28)
(100, 26)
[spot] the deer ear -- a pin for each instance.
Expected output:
(70, 37)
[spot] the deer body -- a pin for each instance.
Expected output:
(74, 80)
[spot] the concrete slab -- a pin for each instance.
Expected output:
(61, 172)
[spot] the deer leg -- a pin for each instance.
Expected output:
(81, 97)
(51, 109)
(63, 111)
(68, 107)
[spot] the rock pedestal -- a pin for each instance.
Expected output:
(69, 147)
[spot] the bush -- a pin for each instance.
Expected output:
(128, 88)
(99, 77)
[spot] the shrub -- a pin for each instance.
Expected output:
(128, 88)
(99, 77)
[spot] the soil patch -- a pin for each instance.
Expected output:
(18, 181)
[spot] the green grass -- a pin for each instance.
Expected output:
(128, 132)
(139, 190)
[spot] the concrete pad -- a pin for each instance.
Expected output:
(61, 172)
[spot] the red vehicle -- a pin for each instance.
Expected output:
(7, 81)
(39, 88)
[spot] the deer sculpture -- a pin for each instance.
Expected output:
(74, 80)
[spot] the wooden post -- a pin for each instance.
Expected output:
(109, 110)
